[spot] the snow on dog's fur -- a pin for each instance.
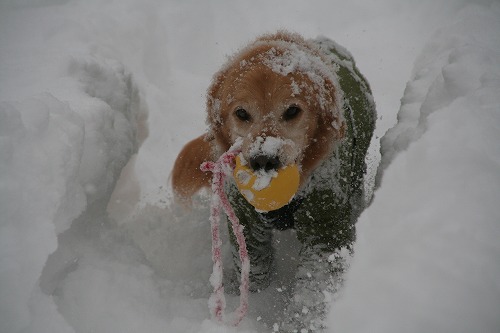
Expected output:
(281, 87)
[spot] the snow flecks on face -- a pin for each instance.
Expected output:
(271, 147)
(229, 99)
(295, 88)
(215, 116)
(283, 149)
(336, 125)
(317, 71)
(237, 144)
(295, 59)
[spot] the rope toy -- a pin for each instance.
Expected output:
(220, 169)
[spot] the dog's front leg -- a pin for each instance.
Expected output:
(319, 277)
(259, 243)
(325, 228)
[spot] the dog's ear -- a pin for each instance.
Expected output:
(215, 118)
(331, 117)
(331, 128)
(214, 101)
(332, 121)
(187, 177)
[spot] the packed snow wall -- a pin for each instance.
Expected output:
(60, 160)
(426, 259)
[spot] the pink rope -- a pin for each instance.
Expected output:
(222, 168)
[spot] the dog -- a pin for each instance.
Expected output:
(291, 101)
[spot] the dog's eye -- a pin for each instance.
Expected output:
(292, 112)
(242, 114)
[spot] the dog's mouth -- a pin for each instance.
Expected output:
(263, 183)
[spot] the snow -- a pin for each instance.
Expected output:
(269, 146)
(298, 60)
(284, 149)
(77, 81)
(436, 207)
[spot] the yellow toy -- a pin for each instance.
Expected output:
(267, 191)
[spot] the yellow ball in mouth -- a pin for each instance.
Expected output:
(267, 191)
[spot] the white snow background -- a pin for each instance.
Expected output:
(78, 80)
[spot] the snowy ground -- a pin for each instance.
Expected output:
(77, 81)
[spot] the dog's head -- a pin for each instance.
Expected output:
(280, 96)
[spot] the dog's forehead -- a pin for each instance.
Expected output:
(262, 81)
(262, 90)
(258, 82)
(263, 60)
(280, 71)
(285, 58)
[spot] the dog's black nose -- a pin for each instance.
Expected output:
(264, 162)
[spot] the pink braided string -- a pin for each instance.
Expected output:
(220, 169)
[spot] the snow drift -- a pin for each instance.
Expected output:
(76, 77)
(427, 251)
(58, 161)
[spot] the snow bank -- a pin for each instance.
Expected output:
(427, 252)
(56, 163)
(59, 159)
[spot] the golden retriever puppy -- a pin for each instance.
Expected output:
(291, 101)
(250, 99)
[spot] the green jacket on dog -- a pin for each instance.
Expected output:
(324, 213)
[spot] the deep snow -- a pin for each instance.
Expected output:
(77, 80)
(427, 255)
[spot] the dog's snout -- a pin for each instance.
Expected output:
(264, 162)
